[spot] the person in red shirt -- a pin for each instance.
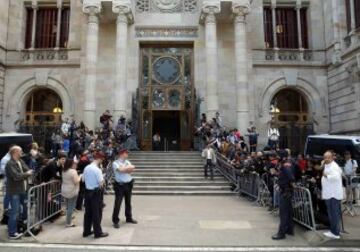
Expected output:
(302, 163)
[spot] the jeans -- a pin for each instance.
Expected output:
(272, 144)
(334, 212)
(209, 166)
(70, 205)
(18, 202)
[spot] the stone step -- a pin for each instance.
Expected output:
(196, 166)
(168, 168)
(166, 155)
(185, 193)
(167, 162)
(181, 188)
(171, 174)
(174, 173)
(181, 183)
(174, 178)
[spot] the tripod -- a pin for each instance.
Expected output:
(349, 208)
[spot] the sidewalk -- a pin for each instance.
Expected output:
(186, 221)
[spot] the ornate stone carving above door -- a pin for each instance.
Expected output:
(166, 6)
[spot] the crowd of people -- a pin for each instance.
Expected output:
(78, 159)
(280, 170)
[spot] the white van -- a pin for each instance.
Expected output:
(316, 145)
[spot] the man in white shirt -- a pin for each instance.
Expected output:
(65, 127)
(273, 136)
(332, 193)
(350, 168)
(210, 160)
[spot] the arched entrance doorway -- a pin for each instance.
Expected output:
(44, 107)
(290, 113)
(43, 112)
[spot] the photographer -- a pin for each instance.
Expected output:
(349, 169)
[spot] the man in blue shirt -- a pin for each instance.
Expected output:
(123, 186)
(94, 183)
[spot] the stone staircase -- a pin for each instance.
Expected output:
(174, 173)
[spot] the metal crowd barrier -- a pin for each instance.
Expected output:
(253, 186)
(248, 184)
(44, 202)
(303, 212)
(264, 196)
(226, 169)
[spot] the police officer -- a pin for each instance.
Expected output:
(123, 186)
(94, 183)
(285, 183)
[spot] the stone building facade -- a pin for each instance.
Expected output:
(233, 69)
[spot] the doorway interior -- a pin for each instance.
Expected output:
(167, 124)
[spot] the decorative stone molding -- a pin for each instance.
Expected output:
(44, 55)
(92, 8)
(166, 32)
(124, 11)
(59, 4)
(34, 4)
(240, 10)
(208, 11)
(166, 6)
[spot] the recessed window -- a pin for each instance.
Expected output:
(47, 27)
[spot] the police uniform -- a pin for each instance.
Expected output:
(123, 186)
(93, 179)
(285, 180)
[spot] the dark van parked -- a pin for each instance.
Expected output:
(8, 139)
(316, 145)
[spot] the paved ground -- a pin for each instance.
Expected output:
(188, 221)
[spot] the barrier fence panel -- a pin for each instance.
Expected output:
(44, 202)
(303, 208)
(249, 184)
(264, 196)
(226, 169)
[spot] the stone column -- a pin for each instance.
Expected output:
(58, 23)
(210, 8)
(298, 19)
(124, 17)
(33, 31)
(92, 9)
(273, 15)
(240, 11)
(352, 13)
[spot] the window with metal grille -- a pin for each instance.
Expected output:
(286, 28)
(349, 14)
(46, 27)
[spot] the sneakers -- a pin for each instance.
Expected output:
(15, 236)
(331, 235)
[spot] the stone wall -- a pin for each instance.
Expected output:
(332, 91)
(4, 7)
